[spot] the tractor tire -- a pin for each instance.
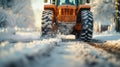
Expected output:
(87, 26)
(47, 22)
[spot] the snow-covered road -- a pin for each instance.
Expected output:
(62, 51)
(79, 54)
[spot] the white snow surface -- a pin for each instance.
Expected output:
(21, 53)
(78, 54)
(17, 35)
(67, 52)
(23, 47)
(108, 36)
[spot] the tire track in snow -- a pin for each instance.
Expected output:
(109, 47)
(65, 53)
(70, 53)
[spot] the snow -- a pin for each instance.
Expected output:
(110, 39)
(20, 53)
(13, 35)
(22, 20)
(27, 48)
(78, 54)
(108, 36)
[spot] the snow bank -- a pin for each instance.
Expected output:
(107, 36)
(19, 34)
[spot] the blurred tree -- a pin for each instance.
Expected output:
(6, 3)
(118, 15)
(3, 19)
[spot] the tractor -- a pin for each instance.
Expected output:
(68, 17)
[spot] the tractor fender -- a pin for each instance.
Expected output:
(50, 7)
(83, 7)
(78, 25)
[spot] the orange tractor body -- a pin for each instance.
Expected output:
(68, 12)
